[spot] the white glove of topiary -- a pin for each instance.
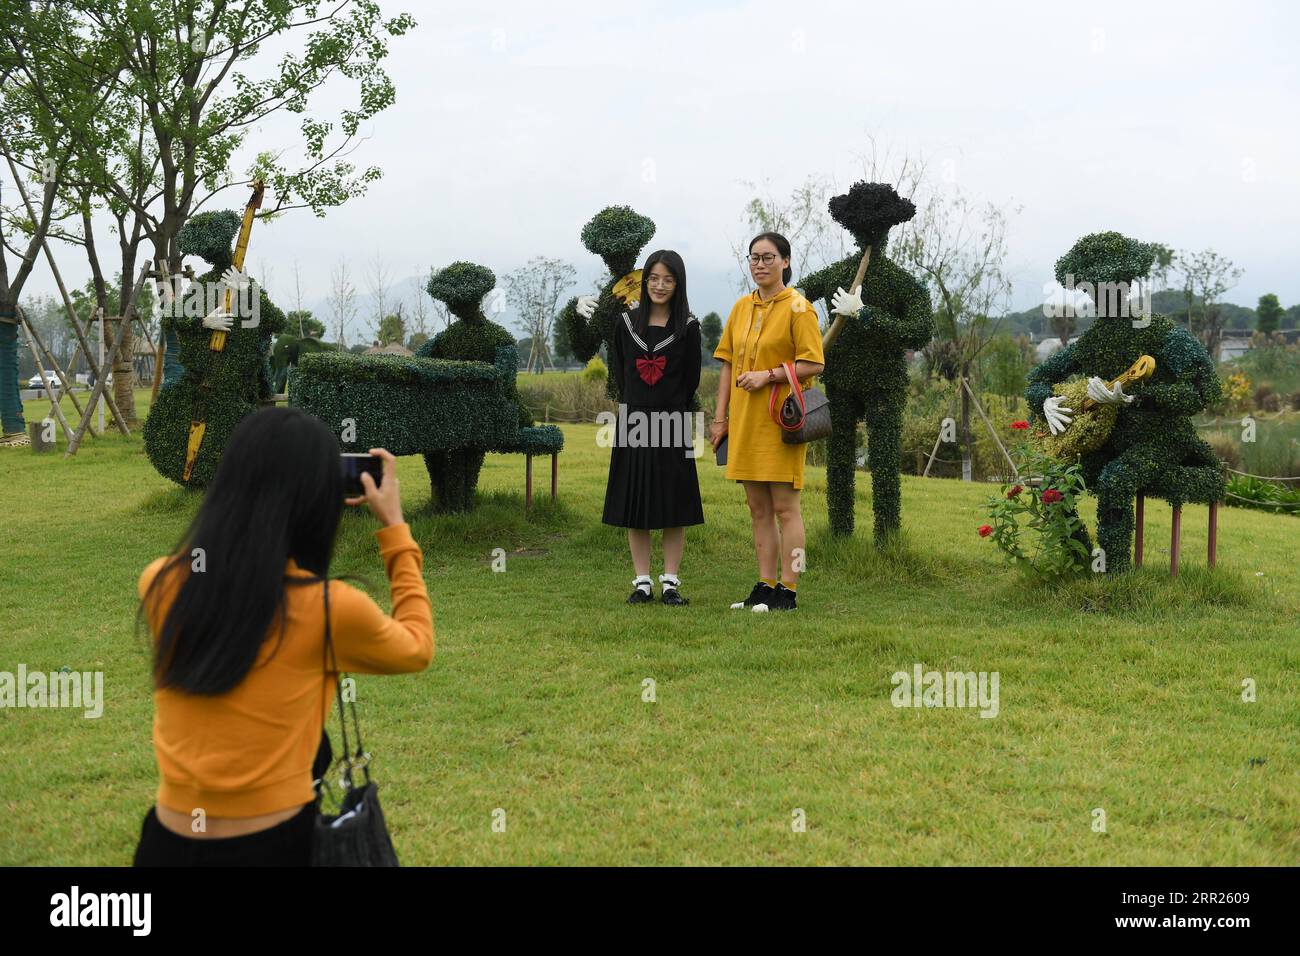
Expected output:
(1054, 411)
(234, 279)
(218, 321)
(1103, 394)
(846, 303)
(587, 305)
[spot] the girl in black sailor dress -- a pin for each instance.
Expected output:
(652, 481)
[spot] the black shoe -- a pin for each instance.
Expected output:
(671, 595)
(783, 599)
(639, 596)
(761, 594)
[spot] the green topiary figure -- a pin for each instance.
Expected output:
(866, 369)
(1152, 447)
(617, 234)
(453, 475)
(223, 386)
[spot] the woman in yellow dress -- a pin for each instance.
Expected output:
(771, 325)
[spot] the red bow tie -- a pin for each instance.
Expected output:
(651, 370)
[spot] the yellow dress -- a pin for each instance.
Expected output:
(761, 335)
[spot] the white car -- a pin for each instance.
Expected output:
(35, 382)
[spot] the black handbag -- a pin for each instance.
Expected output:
(805, 414)
(357, 835)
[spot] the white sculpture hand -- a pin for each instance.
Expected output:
(846, 303)
(1054, 412)
(218, 321)
(1103, 394)
(234, 279)
(587, 305)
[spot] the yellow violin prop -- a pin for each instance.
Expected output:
(1143, 368)
(628, 288)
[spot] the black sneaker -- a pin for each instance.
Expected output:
(761, 594)
(783, 599)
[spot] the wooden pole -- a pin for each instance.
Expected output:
(1212, 549)
(49, 391)
(68, 383)
(100, 383)
(99, 406)
(998, 441)
(833, 332)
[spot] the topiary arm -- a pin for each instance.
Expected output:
(616, 359)
(1057, 368)
(1196, 384)
(584, 334)
(914, 327)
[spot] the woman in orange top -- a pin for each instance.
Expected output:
(238, 620)
(771, 325)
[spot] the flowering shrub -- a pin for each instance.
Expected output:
(1060, 541)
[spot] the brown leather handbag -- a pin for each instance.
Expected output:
(805, 414)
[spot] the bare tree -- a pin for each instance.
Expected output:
(379, 284)
(342, 301)
(1206, 275)
(803, 218)
(534, 291)
(958, 248)
(419, 324)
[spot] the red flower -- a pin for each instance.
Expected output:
(1015, 491)
(1020, 426)
(1051, 496)
(985, 530)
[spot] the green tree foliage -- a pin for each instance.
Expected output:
(1268, 314)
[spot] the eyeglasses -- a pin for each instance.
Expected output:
(766, 258)
(655, 282)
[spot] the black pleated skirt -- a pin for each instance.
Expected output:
(651, 487)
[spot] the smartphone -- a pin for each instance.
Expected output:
(353, 464)
(720, 453)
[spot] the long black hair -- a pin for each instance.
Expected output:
(678, 307)
(277, 494)
(782, 247)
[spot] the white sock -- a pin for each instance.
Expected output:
(643, 582)
(667, 580)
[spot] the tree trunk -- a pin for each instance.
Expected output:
(966, 449)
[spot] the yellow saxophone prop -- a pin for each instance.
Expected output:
(217, 340)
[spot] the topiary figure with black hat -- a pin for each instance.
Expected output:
(1152, 446)
(866, 367)
(617, 234)
(453, 475)
(217, 387)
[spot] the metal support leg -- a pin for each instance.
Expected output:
(1175, 539)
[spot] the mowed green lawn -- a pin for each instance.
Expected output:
(1124, 696)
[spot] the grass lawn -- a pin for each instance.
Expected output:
(1123, 695)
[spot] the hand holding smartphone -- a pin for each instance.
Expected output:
(371, 479)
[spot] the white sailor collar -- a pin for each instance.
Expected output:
(627, 320)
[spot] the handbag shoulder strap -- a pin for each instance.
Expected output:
(332, 667)
(796, 392)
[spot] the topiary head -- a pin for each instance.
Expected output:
(1105, 257)
(618, 234)
(462, 286)
(210, 236)
(868, 210)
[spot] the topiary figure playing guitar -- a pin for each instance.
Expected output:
(1152, 446)
(225, 353)
(617, 234)
(453, 475)
(866, 370)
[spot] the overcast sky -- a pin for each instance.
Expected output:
(515, 122)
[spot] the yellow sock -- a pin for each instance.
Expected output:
(791, 585)
(770, 582)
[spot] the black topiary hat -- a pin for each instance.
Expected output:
(209, 235)
(868, 209)
(462, 286)
(617, 232)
